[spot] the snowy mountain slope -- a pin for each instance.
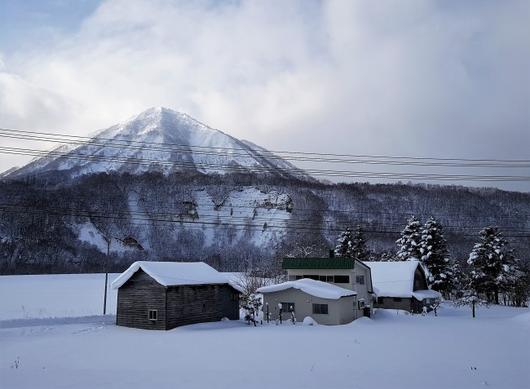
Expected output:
(164, 140)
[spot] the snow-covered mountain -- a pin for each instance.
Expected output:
(164, 140)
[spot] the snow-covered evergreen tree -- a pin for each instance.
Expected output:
(512, 280)
(410, 242)
(359, 249)
(344, 247)
(486, 263)
(435, 258)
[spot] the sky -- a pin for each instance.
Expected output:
(447, 79)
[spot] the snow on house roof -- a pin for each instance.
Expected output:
(312, 287)
(421, 295)
(176, 273)
(396, 279)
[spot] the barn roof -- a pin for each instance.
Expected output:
(396, 279)
(312, 287)
(175, 273)
(320, 263)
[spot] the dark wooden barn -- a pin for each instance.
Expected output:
(165, 295)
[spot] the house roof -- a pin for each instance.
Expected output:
(396, 279)
(318, 263)
(312, 287)
(175, 273)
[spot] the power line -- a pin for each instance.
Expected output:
(10, 208)
(289, 156)
(306, 210)
(258, 169)
(486, 160)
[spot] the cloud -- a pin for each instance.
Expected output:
(420, 78)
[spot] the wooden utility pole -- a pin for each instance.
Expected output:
(108, 240)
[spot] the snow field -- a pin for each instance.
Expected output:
(394, 350)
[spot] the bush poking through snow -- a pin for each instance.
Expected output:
(309, 321)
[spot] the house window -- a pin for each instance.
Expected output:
(152, 314)
(342, 279)
(322, 278)
(380, 300)
(312, 276)
(329, 279)
(299, 277)
(288, 307)
(360, 304)
(320, 309)
(360, 279)
(397, 299)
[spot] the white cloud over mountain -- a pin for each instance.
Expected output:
(415, 77)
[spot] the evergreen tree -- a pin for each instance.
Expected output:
(344, 246)
(512, 280)
(435, 258)
(359, 249)
(410, 242)
(486, 263)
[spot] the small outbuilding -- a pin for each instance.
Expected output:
(165, 295)
(325, 303)
(401, 285)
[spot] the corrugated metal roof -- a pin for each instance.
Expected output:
(318, 263)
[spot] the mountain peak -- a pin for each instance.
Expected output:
(161, 139)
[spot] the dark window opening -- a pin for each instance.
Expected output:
(312, 276)
(320, 309)
(359, 279)
(397, 299)
(380, 300)
(152, 314)
(323, 278)
(342, 279)
(329, 278)
(288, 307)
(299, 277)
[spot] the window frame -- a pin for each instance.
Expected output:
(318, 309)
(346, 277)
(286, 307)
(152, 314)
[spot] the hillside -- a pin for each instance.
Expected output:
(230, 221)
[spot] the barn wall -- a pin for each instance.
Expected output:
(190, 304)
(139, 294)
(390, 303)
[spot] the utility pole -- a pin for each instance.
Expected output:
(128, 241)
(108, 240)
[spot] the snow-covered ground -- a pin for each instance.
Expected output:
(54, 295)
(393, 350)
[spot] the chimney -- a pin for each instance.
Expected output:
(331, 253)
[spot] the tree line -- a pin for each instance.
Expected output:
(492, 273)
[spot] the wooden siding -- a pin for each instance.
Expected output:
(176, 305)
(139, 294)
(190, 304)
(420, 281)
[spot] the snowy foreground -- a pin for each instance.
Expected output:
(41, 349)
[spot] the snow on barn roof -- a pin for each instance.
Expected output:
(396, 279)
(312, 287)
(176, 273)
